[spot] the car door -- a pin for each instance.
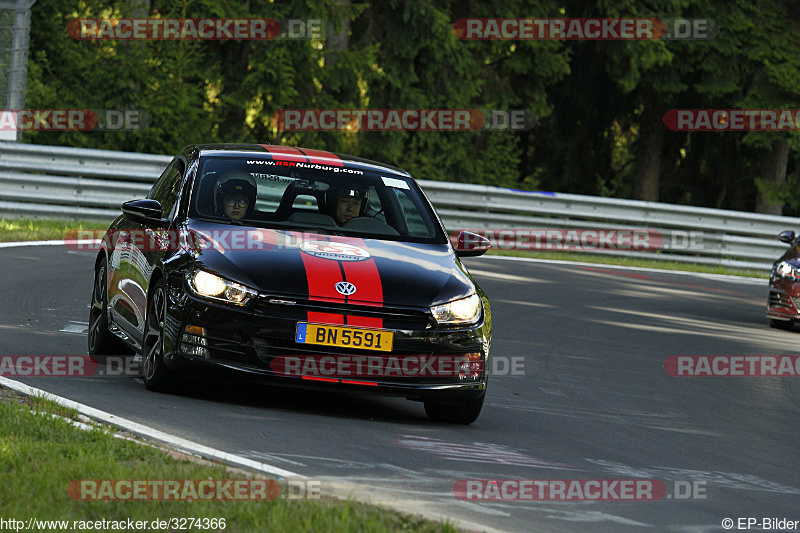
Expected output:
(137, 253)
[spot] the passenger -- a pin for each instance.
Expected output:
(237, 198)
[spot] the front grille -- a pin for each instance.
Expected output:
(393, 317)
(260, 352)
(270, 349)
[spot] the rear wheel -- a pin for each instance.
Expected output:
(465, 412)
(101, 340)
(156, 375)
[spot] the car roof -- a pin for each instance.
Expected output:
(291, 153)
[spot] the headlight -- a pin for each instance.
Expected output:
(464, 311)
(785, 269)
(212, 286)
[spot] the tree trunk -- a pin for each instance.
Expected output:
(339, 42)
(773, 170)
(140, 8)
(649, 149)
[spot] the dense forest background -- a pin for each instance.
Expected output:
(599, 104)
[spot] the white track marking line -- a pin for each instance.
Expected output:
(30, 243)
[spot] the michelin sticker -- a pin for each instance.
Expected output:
(338, 251)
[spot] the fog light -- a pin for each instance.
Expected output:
(194, 342)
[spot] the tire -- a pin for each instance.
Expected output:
(465, 412)
(101, 341)
(787, 325)
(157, 377)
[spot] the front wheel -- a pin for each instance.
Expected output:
(156, 375)
(782, 324)
(465, 412)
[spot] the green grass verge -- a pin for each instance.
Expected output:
(42, 230)
(41, 403)
(632, 261)
(40, 455)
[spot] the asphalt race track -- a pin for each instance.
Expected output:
(593, 400)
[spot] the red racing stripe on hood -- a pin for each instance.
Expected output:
(369, 290)
(364, 275)
(322, 275)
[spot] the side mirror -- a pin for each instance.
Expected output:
(787, 237)
(468, 244)
(147, 212)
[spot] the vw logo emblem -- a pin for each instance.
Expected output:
(346, 288)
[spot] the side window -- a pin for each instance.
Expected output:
(374, 202)
(166, 189)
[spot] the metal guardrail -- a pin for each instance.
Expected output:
(74, 183)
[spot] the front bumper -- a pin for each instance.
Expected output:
(783, 302)
(249, 341)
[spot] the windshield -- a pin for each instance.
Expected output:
(312, 197)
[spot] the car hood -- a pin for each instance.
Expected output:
(309, 265)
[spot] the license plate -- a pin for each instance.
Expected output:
(344, 337)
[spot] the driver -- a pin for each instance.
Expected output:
(236, 196)
(350, 202)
